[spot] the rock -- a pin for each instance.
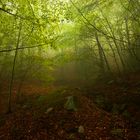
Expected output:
(70, 104)
(81, 129)
(110, 82)
(49, 110)
(25, 106)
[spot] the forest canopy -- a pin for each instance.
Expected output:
(100, 35)
(86, 37)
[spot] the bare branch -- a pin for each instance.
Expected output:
(21, 48)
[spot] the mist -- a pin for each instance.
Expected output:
(69, 69)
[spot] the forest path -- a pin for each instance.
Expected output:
(103, 112)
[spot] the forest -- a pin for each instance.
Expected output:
(69, 69)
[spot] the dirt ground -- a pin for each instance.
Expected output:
(109, 111)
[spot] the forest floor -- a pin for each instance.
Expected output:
(109, 111)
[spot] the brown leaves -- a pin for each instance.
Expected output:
(88, 122)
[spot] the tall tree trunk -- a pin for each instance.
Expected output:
(115, 42)
(114, 55)
(13, 68)
(102, 56)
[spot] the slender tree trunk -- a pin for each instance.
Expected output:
(128, 37)
(13, 69)
(20, 85)
(22, 80)
(126, 51)
(115, 43)
(102, 56)
(114, 56)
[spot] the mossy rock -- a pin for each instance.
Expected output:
(71, 103)
(103, 103)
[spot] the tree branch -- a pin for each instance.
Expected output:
(18, 16)
(21, 48)
(95, 28)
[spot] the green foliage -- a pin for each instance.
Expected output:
(67, 25)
